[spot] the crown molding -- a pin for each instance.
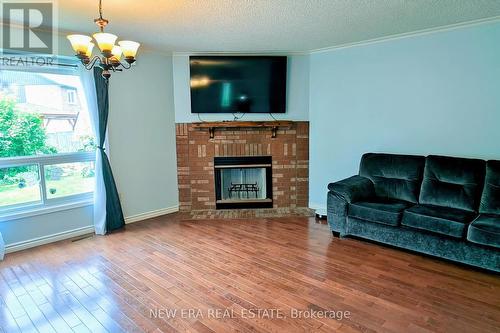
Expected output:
(417, 33)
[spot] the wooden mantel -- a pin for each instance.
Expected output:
(273, 125)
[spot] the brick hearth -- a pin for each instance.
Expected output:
(195, 162)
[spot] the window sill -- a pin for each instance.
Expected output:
(36, 211)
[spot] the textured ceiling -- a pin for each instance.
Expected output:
(267, 25)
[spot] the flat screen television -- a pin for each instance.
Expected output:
(233, 84)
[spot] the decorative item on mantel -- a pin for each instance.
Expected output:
(111, 53)
(274, 125)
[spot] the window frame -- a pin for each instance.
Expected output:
(41, 161)
(62, 66)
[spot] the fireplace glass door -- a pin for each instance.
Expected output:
(243, 182)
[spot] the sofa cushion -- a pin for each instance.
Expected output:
(490, 200)
(442, 220)
(452, 182)
(380, 211)
(485, 230)
(394, 176)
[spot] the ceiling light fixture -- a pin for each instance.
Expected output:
(111, 53)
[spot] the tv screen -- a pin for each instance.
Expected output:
(232, 84)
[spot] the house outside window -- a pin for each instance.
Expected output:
(47, 148)
(71, 93)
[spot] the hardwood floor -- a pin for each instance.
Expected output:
(120, 282)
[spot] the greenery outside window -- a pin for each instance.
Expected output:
(47, 148)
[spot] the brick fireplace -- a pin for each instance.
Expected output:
(286, 146)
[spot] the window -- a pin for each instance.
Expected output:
(47, 148)
(71, 96)
(20, 185)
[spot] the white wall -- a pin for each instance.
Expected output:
(142, 135)
(297, 93)
(142, 152)
(26, 232)
(430, 94)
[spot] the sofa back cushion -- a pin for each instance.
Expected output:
(452, 182)
(394, 176)
(490, 200)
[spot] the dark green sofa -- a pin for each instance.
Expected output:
(442, 206)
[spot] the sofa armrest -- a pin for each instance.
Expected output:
(353, 189)
(341, 194)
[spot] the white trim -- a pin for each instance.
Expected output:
(408, 34)
(9, 162)
(42, 210)
(44, 205)
(48, 239)
(151, 214)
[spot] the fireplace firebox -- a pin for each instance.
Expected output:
(243, 182)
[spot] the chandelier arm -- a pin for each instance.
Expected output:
(92, 63)
(125, 65)
(117, 63)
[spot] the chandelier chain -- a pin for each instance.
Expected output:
(100, 9)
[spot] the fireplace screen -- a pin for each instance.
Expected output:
(243, 182)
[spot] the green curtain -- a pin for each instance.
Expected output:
(114, 213)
